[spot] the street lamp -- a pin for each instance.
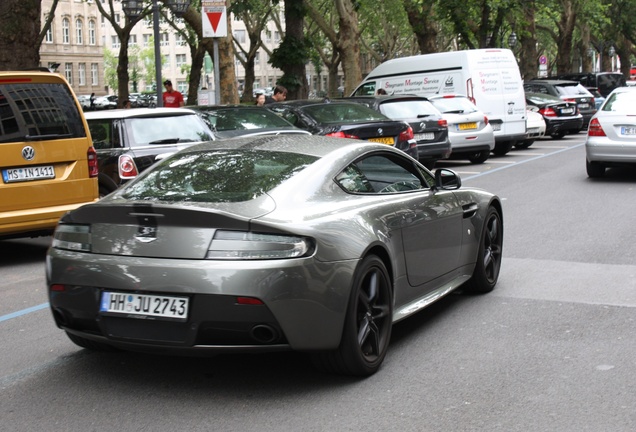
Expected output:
(612, 52)
(134, 8)
(602, 45)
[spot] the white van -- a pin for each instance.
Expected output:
(489, 77)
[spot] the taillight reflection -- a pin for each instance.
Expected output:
(595, 128)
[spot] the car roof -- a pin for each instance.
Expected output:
(553, 81)
(136, 112)
(382, 98)
(309, 102)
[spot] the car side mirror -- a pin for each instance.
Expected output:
(446, 179)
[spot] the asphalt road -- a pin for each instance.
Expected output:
(553, 348)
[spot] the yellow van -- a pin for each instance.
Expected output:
(47, 162)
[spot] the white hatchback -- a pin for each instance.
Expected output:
(611, 136)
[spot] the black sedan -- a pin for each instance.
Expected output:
(560, 117)
(346, 119)
(429, 127)
(230, 121)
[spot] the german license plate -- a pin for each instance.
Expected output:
(427, 136)
(625, 130)
(12, 175)
(567, 111)
(466, 126)
(496, 126)
(167, 307)
(383, 140)
(584, 105)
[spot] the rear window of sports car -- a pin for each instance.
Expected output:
(216, 176)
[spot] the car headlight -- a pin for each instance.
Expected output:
(241, 245)
(72, 237)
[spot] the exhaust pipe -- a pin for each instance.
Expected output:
(264, 334)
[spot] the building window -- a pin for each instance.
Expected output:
(91, 32)
(68, 72)
(82, 74)
(132, 41)
(48, 38)
(276, 37)
(165, 40)
(239, 35)
(94, 76)
(147, 40)
(181, 41)
(66, 25)
(79, 32)
(182, 86)
(117, 18)
(114, 41)
(268, 36)
(181, 60)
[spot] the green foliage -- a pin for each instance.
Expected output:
(110, 69)
(291, 51)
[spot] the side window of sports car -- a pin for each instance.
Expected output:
(390, 174)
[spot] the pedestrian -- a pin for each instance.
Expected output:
(92, 100)
(260, 99)
(280, 94)
(171, 97)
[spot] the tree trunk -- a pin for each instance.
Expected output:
(528, 62)
(348, 44)
(566, 31)
(122, 68)
(19, 31)
(295, 29)
(421, 18)
(198, 56)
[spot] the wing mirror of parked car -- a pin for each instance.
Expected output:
(447, 179)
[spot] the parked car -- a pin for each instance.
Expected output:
(470, 133)
(85, 101)
(535, 128)
(301, 242)
(129, 141)
(229, 121)
(605, 82)
(561, 117)
(430, 129)
(611, 137)
(346, 119)
(598, 97)
(145, 100)
(47, 163)
(568, 91)
(106, 102)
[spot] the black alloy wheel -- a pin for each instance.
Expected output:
(488, 264)
(479, 157)
(367, 327)
(524, 144)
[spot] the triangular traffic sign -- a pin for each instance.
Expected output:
(214, 18)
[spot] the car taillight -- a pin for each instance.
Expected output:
(247, 245)
(72, 237)
(595, 128)
(485, 120)
(569, 100)
(91, 156)
(547, 112)
(406, 135)
(341, 134)
(442, 123)
(127, 167)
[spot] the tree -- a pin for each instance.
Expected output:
(422, 16)
(19, 33)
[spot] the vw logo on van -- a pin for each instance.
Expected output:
(380, 131)
(28, 153)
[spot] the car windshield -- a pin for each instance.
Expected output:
(167, 129)
(454, 105)
(541, 99)
(215, 176)
(623, 102)
(342, 112)
(403, 110)
(243, 118)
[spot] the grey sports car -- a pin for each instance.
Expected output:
(304, 243)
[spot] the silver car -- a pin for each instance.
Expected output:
(470, 134)
(294, 242)
(611, 136)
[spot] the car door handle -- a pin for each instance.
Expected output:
(469, 210)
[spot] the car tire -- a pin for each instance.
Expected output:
(489, 256)
(479, 157)
(594, 169)
(90, 344)
(524, 144)
(502, 148)
(558, 135)
(367, 326)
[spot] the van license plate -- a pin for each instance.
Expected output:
(383, 140)
(12, 175)
(496, 126)
(143, 304)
